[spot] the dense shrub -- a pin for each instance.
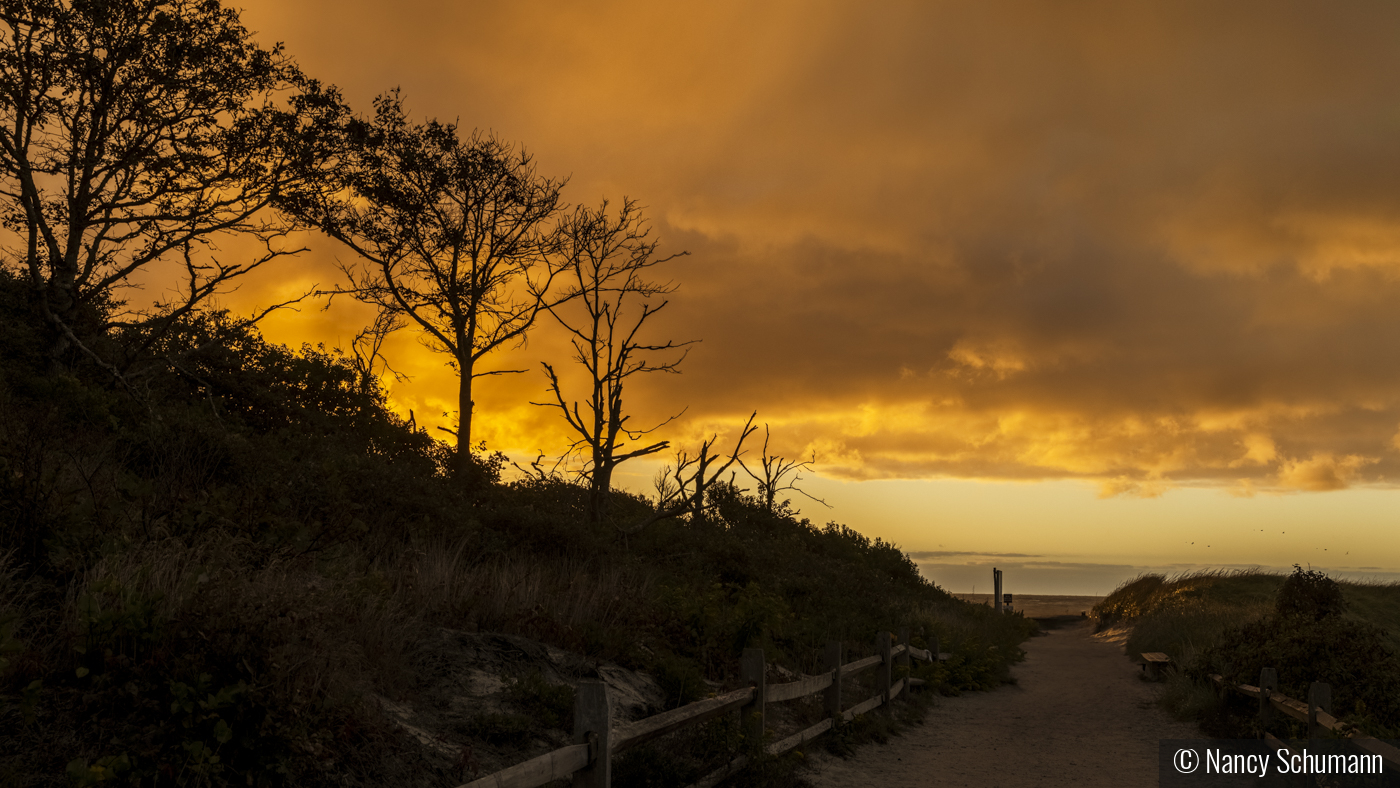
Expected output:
(1310, 594)
(206, 577)
(1235, 624)
(1349, 655)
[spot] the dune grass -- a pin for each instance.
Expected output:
(1185, 613)
(1376, 603)
(1235, 622)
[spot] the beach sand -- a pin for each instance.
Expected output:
(1041, 605)
(1078, 716)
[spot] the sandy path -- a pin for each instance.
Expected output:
(1078, 716)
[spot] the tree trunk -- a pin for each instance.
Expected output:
(59, 306)
(598, 487)
(697, 501)
(464, 422)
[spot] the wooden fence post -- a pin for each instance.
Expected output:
(754, 671)
(1319, 699)
(1268, 683)
(882, 644)
(592, 725)
(835, 655)
(904, 660)
(996, 589)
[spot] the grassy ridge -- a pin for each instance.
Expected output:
(1184, 614)
(1305, 625)
(210, 583)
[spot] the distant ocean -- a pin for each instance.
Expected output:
(1041, 605)
(1062, 574)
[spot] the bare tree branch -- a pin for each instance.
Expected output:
(775, 472)
(366, 350)
(682, 490)
(603, 307)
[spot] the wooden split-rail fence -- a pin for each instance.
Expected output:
(588, 761)
(1316, 714)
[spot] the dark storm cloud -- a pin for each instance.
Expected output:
(1146, 244)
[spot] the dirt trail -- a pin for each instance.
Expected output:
(1078, 716)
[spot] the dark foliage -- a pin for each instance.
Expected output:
(1308, 593)
(241, 670)
(1307, 640)
(270, 493)
(209, 542)
(137, 133)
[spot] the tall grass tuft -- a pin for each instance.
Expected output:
(495, 592)
(1186, 613)
(572, 601)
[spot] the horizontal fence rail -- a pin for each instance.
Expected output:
(799, 689)
(860, 664)
(631, 734)
(557, 765)
(589, 760)
(1316, 714)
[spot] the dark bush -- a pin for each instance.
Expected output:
(141, 656)
(1308, 593)
(1308, 639)
(1349, 655)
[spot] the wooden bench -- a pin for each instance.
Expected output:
(1153, 663)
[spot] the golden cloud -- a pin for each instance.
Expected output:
(1148, 246)
(1322, 472)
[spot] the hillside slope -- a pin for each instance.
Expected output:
(243, 572)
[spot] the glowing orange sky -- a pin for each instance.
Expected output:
(1149, 247)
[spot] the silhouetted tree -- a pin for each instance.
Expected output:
(608, 258)
(455, 235)
(681, 489)
(136, 133)
(776, 470)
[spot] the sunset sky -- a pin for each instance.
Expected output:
(1077, 290)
